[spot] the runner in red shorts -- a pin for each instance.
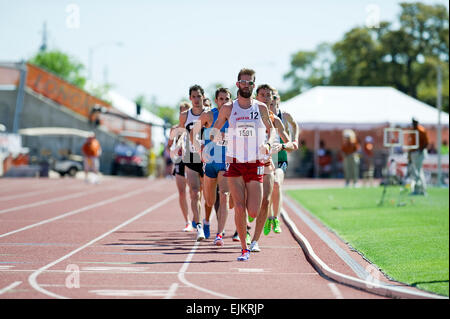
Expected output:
(247, 144)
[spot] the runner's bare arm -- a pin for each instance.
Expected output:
(295, 128)
(181, 130)
(264, 112)
(288, 144)
(171, 136)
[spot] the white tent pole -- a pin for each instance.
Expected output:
(316, 152)
(439, 132)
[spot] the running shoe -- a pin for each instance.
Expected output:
(188, 227)
(276, 226)
(200, 233)
(250, 219)
(245, 256)
(194, 224)
(254, 247)
(219, 240)
(267, 226)
(206, 230)
(235, 236)
(248, 238)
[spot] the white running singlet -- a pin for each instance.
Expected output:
(246, 133)
(191, 120)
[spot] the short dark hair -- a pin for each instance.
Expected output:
(264, 87)
(223, 90)
(246, 71)
(196, 87)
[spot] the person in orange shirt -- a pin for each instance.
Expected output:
(416, 158)
(350, 149)
(91, 150)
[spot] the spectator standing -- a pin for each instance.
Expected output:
(416, 158)
(368, 157)
(350, 149)
(91, 151)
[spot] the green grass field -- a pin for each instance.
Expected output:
(410, 242)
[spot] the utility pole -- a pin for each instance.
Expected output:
(43, 46)
(20, 96)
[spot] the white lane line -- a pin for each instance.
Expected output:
(171, 293)
(12, 286)
(118, 269)
(133, 293)
(335, 290)
(76, 211)
(251, 270)
(54, 200)
(40, 191)
(184, 268)
(32, 279)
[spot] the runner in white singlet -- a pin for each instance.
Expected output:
(248, 122)
(192, 160)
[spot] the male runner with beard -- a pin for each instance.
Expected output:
(248, 121)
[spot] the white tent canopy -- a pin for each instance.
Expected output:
(328, 107)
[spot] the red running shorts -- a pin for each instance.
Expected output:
(249, 171)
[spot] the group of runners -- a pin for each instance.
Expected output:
(234, 156)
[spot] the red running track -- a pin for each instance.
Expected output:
(63, 238)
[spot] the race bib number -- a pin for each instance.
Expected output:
(222, 143)
(246, 129)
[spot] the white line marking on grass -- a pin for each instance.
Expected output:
(12, 286)
(32, 279)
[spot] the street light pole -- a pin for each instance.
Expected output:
(91, 55)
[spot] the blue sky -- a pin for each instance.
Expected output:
(169, 45)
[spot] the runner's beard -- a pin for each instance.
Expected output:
(245, 94)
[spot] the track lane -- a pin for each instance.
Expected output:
(150, 257)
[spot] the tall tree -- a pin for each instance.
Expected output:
(308, 69)
(405, 58)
